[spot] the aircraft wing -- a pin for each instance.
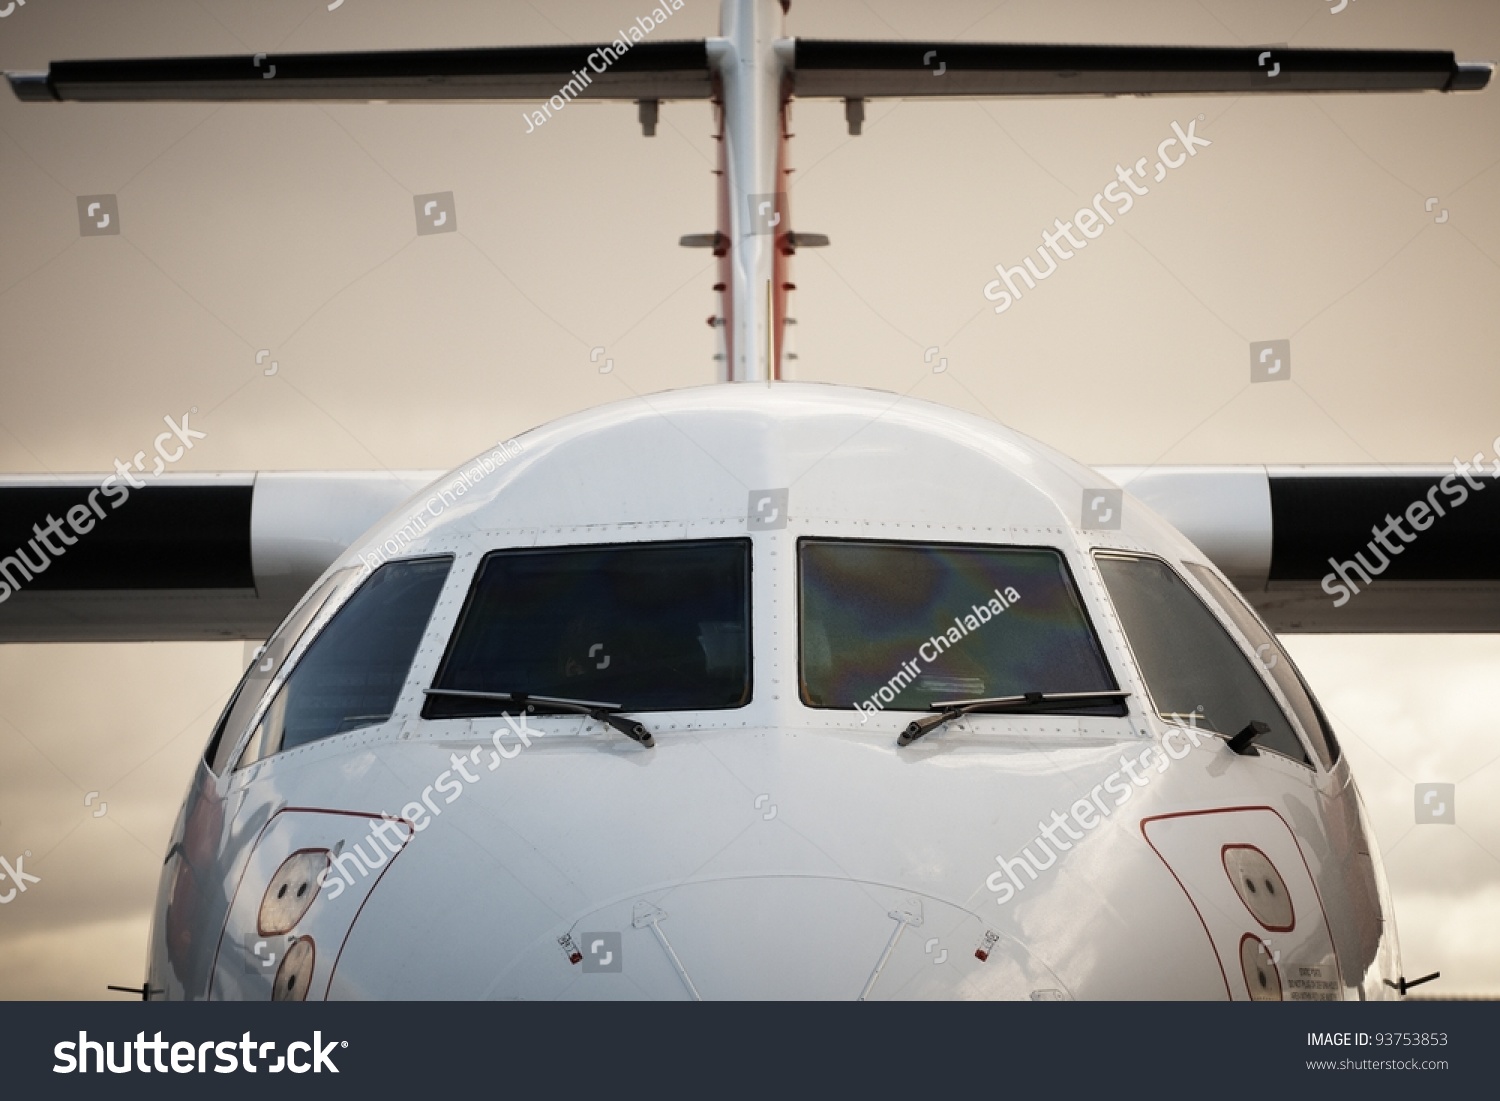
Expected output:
(186, 557)
(1298, 541)
(225, 556)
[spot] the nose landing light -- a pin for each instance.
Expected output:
(1260, 887)
(291, 892)
(294, 976)
(1262, 976)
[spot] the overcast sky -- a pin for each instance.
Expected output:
(291, 229)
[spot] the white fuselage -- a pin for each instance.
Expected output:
(771, 850)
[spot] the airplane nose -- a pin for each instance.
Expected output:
(757, 937)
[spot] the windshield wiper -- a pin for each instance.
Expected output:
(608, 713)
(1038, 701)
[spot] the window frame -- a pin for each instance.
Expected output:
(335, 603)
(232, 752)
(1312, 762)
(1068, 572)
(1335, 750)
(467, 603)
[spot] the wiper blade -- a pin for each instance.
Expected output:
(608, 713)
(1029, 701)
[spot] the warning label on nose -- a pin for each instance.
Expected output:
(1311, 982)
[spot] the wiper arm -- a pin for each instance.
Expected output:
(1041, 701)
(608, 713)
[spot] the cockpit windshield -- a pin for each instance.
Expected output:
(902, 626)
(645, 626)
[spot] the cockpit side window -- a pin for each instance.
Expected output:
(352, 673)
(1193, 668)
(1276, 661)
(267, 664)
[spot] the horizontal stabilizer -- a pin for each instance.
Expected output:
(645, 70)
(651, 71)
(861, 70)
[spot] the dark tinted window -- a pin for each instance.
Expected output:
(904, 625)
(352, 673)
(266, 665)
(1276, 661)
(648, 626)
(1187, 659)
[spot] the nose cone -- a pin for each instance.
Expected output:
(540, 883)
(801, 937)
